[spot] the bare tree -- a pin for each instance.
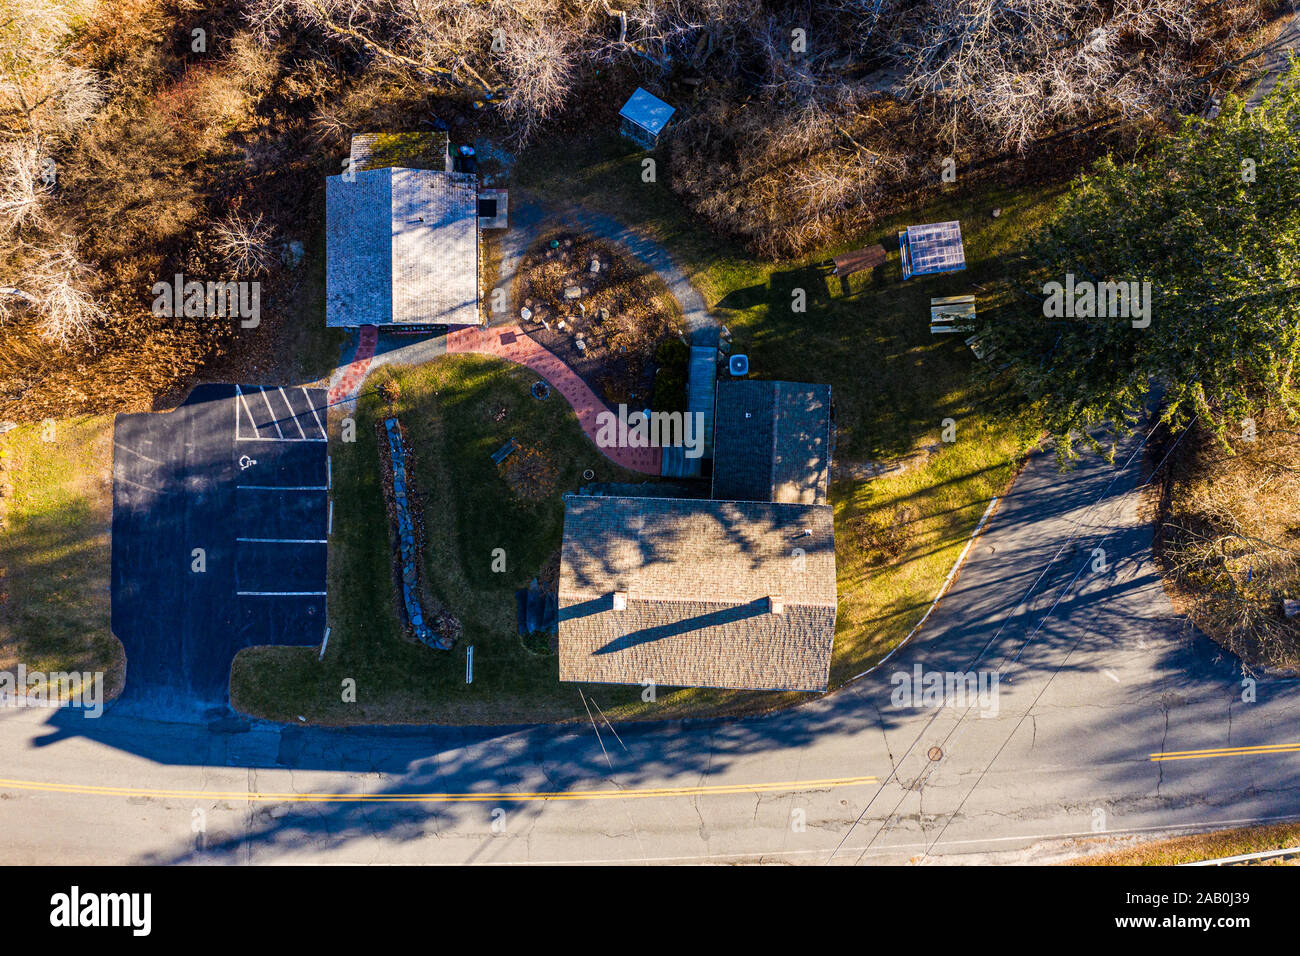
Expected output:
(245, 243)
(23, 173)
(1017, 68)
(41, 92)
(56, 286)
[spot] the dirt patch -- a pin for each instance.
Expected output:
(599, 310)
(530, 472)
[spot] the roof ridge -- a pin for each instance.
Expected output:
(633, 595)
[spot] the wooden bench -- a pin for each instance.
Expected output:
(859, 259)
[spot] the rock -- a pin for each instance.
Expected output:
(996, 213)
(1290, 607)
(595, 266)
(525, 313)
(602, 314)
(572, 292)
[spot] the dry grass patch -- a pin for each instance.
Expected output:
(1202, 846)
(1229, 539)
(55, 565)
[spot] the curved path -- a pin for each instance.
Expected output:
(1110, 720)
(510, 343)
(369, 348)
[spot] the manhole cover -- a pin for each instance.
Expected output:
(935, 753)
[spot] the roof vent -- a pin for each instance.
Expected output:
(776, 604)
(620, 600)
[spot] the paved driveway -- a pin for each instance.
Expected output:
(220, 524)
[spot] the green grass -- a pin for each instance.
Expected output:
(54, 598)
(449, 408)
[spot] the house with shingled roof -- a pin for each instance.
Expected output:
(697, 593)
(401, 242)
(736, 591)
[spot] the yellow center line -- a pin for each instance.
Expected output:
(1226, 752)
(793, 786)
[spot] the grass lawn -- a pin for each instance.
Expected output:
(1202, 846)
(450, 409)
(54, 565)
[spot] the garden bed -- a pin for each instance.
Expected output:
(606, 325)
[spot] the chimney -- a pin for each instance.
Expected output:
(620, 600)
(776, 604)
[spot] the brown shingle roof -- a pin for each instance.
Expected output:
(699, 576)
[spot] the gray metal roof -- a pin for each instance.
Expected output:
(401, 248)
(699, 576)
(772, 441)
(647, 111)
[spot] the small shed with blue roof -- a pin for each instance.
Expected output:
(644, 117)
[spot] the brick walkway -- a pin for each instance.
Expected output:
(347, 379)
(511, 344)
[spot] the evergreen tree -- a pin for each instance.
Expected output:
(1211, 219)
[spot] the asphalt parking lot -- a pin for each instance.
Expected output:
(221, 521)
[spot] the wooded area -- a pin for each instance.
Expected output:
(146, 138)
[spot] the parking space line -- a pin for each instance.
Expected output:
(312, 406)
(285, 487)
(274, 421)
(137, 484)
(285, 439)
(281, 540)
(280, 593)
(136, 452)
(242, 400)
(292, 414)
